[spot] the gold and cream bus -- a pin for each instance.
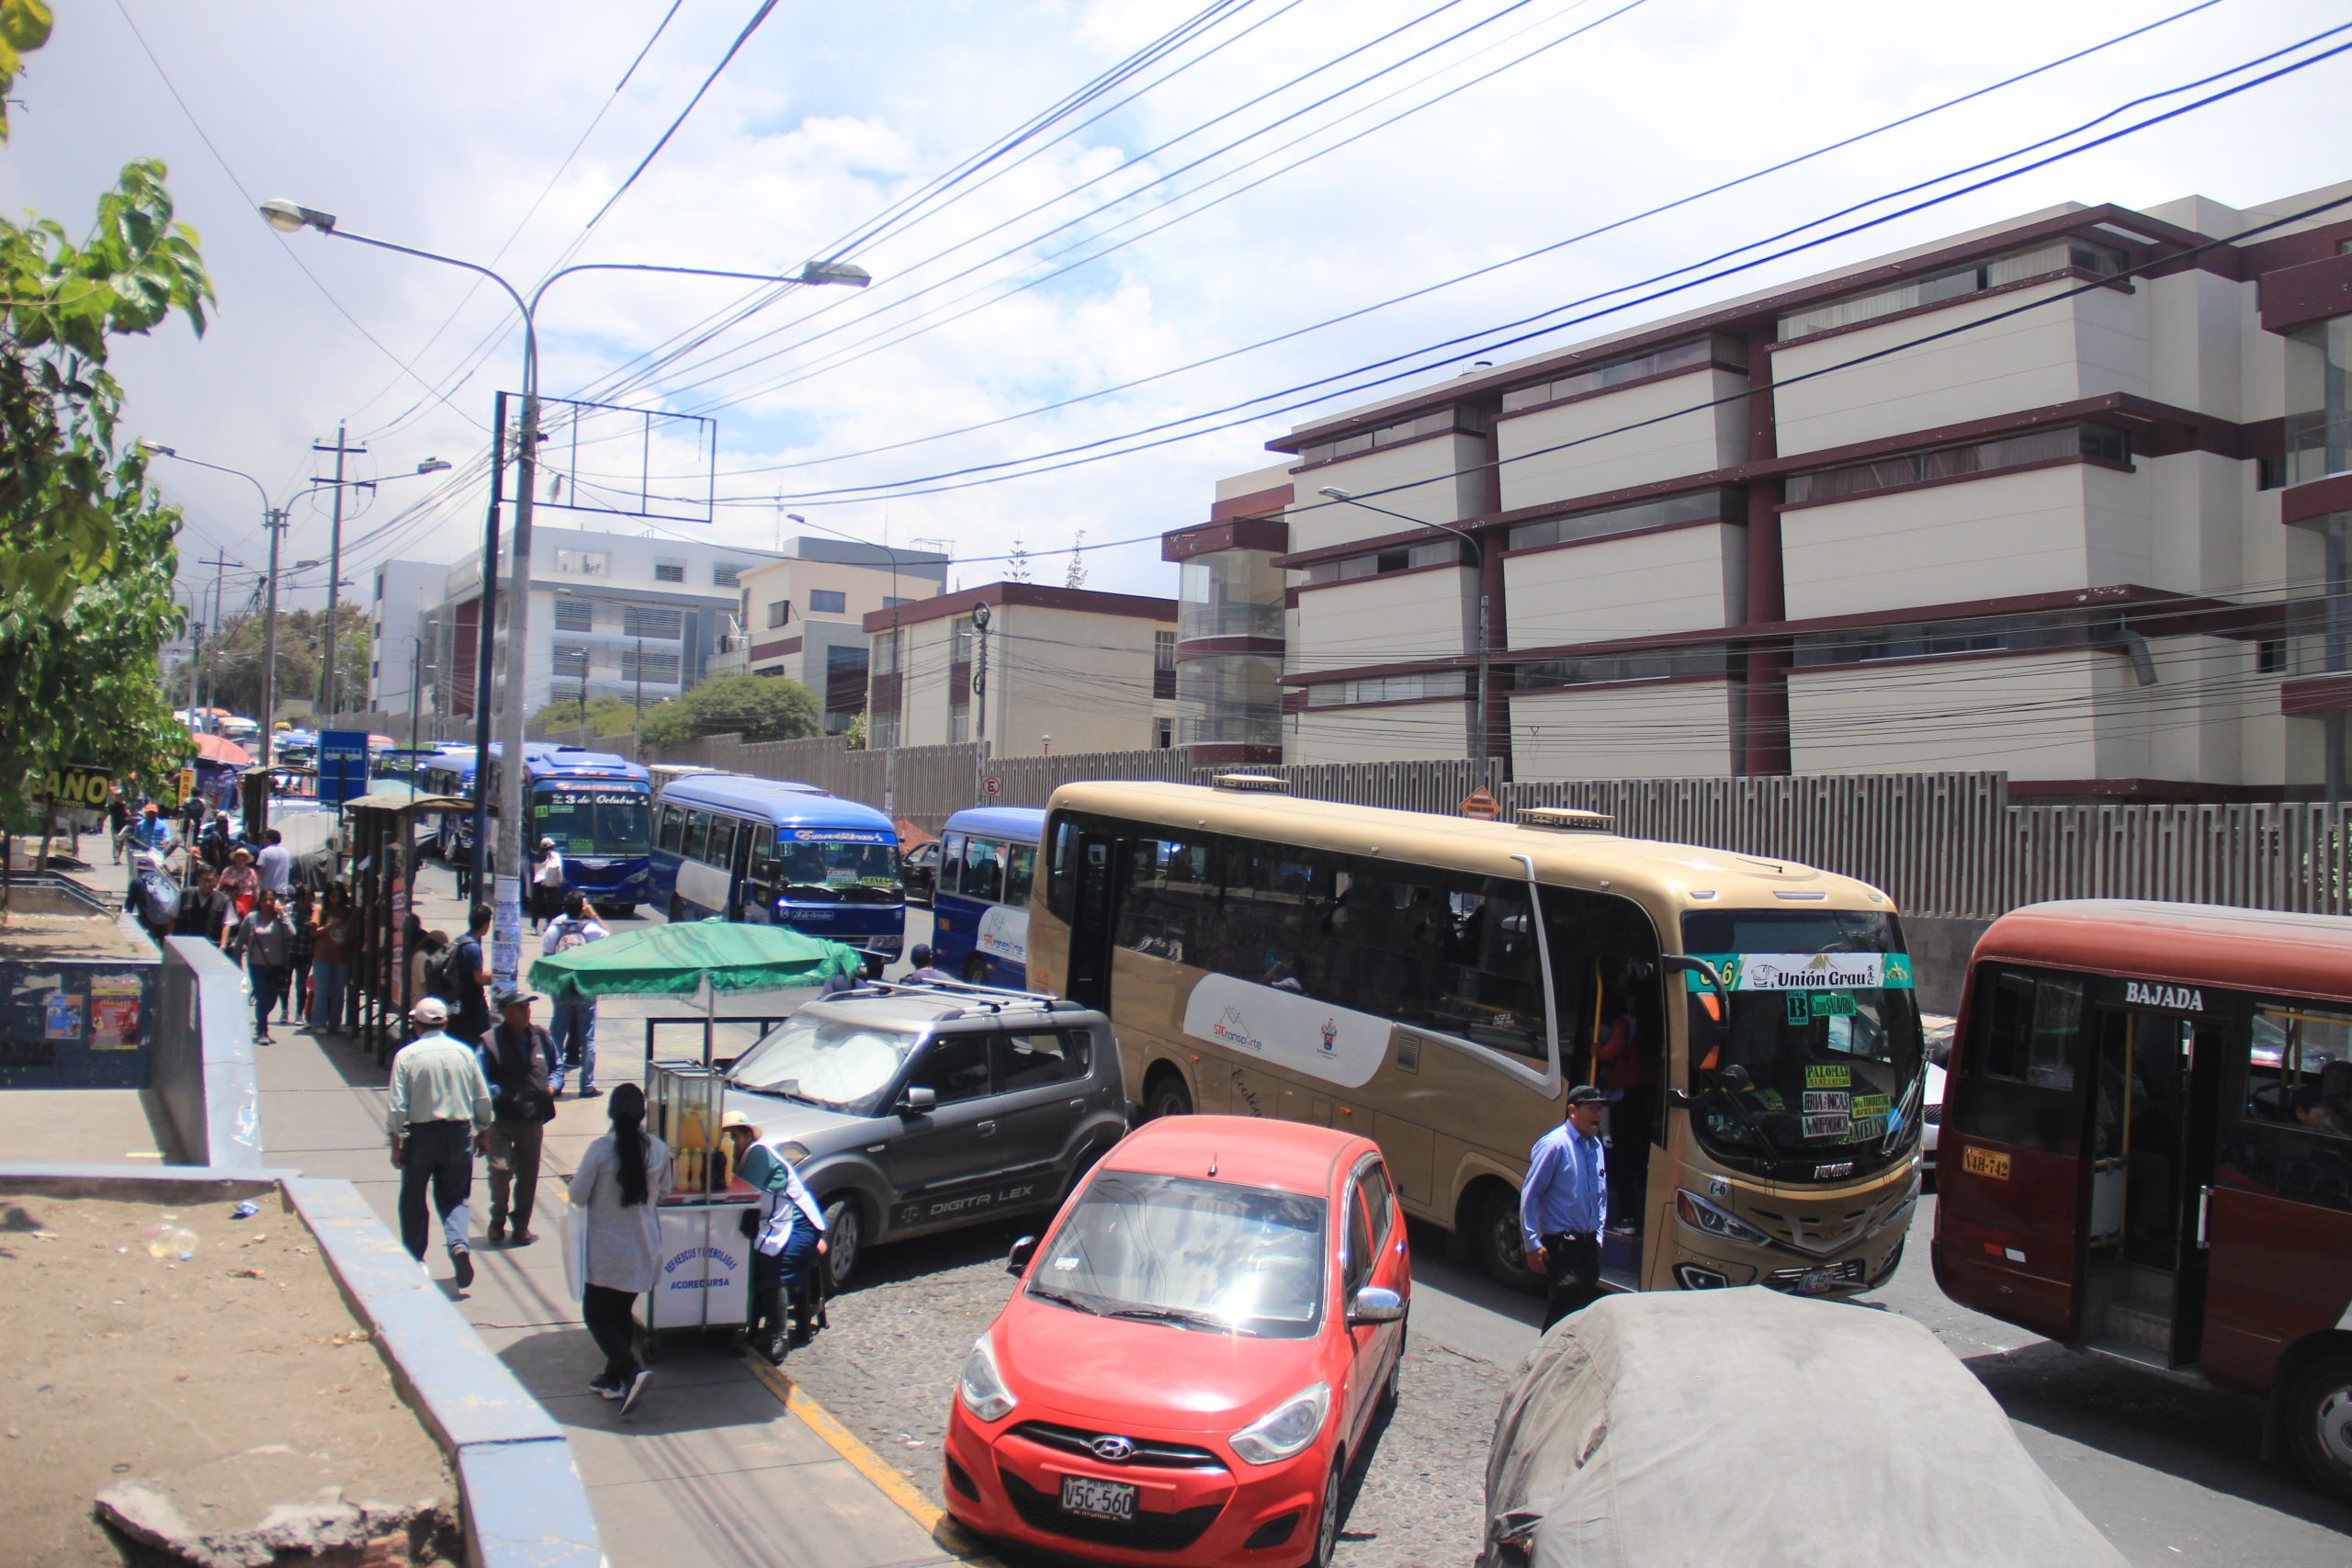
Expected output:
(1439, 984)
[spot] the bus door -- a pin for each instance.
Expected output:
(1091, 927)
(2155, 1068)
(759, 875)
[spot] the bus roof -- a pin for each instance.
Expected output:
(1719, 878)
(1021, 824)
(2204, 945)
(780, 801)
(542, 760)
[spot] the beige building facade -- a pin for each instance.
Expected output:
(2065, 496)
(803, 617)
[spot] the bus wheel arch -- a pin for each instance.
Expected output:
(1486, 1213)
(2310, 1411)
(1165, 1092)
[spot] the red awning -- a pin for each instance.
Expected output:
(218, 748)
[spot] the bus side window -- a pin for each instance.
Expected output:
(1166, 891)
(983, 869)
(2024, 1060)
(1020, 865)
(697, 834)
(721, 851)
(673, 829)
(2293, 1137)
(951, 865)
(1062, 881)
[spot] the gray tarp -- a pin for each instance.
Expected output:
(1742, 1427)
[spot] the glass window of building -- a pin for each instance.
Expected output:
(584, 563)
(2319, 399)
(669, 568)
(2065, 255)
(724, 574)
(1229, 594)
(779, 613)
(827, 601)
(646, 620)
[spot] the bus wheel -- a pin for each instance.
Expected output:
(2319, 1417)
(1497, 1239)
(976, 970)
(1167, 1096)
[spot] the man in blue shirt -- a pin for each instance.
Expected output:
(1565, 1205)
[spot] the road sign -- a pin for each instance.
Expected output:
(1481, 805)
(991, 786)
(342, 765)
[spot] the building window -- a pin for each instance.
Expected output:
(2270, 657)
(1727, 505)
(723, 574)
(1379, 563)
(779, 613)
(584, 563)
(2319, 399)
(882, 731)
(2060, 442)
(1389, 688)
(1728, 352)
(891, 600)
(1663, 664)
(573, 614)
(571, 659)
(885, 652)
(659, 668)
(1957, 283)
(1468, 420)
(1163, 666)
(827, 601)
(643, 620)
(844, 687)
(1164, 733)
(1980, 634)
(668, 569)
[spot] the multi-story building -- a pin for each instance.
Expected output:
(611, 615)
(1056, 669)
(803, 617)
(398, 617)
(2065, 496)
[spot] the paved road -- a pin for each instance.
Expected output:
(2169, 1473)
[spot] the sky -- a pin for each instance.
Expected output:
(1138, 237)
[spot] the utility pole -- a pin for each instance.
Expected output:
(335, 565)
(637, 730)
(274, 520)
(415, 688)
(486, 648)
(218, 563)
(980, 694)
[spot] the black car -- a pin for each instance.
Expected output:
(919, 871)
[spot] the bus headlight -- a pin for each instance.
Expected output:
(1708, 1220)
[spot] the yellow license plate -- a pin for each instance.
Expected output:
(1989, 1163)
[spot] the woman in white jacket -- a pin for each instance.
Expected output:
(621, 1177)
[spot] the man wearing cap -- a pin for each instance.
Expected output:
(440, 1111)
(788, 1234)
(1565, 1205)
(517, 1058)
(547, 883)
(149, 832)
(575, 1015)
(922, 973)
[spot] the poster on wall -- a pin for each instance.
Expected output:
(114, 1012)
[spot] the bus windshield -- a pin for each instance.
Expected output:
(823, 873)
(594, 822)
(1817, 1070)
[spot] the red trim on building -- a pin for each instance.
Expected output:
(1034, 595)
(1258, 503)
(1223, 753)
(2315, 498)
(1219, 647)
(1238, 534)
(775, 649)
(2307, 697)
(2315, 291)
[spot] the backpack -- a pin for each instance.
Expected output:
(441, 976)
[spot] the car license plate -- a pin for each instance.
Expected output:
(1089, 1498)
(1814, 1281)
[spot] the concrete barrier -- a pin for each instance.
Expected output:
(83, 1020)
(523, 1501)
(202, 1049)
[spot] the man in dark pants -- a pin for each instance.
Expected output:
(1565, 1205)
(518, 1057)
(440, 1110)
(470, 970)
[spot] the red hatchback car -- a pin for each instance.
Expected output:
(1195, 1353)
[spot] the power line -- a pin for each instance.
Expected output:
(647, 162)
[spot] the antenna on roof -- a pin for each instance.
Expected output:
(1212, 1162)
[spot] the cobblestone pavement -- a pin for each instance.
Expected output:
(886, 1368)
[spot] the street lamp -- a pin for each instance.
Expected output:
(289, 217)
(327, 704)
(1334, 493)
(273, 518)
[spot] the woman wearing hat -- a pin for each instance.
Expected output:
(788, 1234)
(241, 881)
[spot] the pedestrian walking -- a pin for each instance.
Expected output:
(205, 911)
(266, 942)
(547, 883)
(276, 864)
(331, 959)
(300, 948)
(440, 1109)
(1565, 1205)
(192, 814)
(516, 1056)
(787, 1232)
(467, 971)
(423, 954)
(574, 1027)
(214, 845)
(118, 823)
(147, 832)
(240, 883)
(622, 1176)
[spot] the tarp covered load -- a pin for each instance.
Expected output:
(681, 960)
(1726, 1427)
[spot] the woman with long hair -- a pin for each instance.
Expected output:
(265, 941)
(621, 1177)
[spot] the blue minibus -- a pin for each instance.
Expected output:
(596, 806)
(979, 911)
(772, 851)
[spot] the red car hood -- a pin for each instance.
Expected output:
(1119, 1374)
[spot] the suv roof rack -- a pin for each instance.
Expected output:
(993, 998)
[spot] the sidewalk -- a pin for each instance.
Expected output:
(723, 1462)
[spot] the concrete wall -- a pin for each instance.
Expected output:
(1940, 950)
(1400, 732)
(1673, 729)
(1084, 678)
(1593, 460)
(1987, 538)
(204, 1070)
(1387, 620)
(2031, 715)
(1456, 490)
(1685, 580)
(77, 1022)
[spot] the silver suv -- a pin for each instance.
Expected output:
(911, 1108)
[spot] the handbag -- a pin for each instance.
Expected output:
(575, 1252)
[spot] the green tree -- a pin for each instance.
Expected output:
(301, 653)
(608, 716)
(856, 737)
(757, 708)
(86, 547)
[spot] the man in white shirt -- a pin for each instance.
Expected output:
(574, 1024)
(276, 864)
(439, 1109)
(547, 883)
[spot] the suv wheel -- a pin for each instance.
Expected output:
(845, 1237)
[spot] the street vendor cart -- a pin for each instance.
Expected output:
(703, 1274)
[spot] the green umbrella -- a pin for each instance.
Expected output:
(704, 957)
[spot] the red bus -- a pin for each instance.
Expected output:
(2147, 1150)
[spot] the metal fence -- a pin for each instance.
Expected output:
(1941, 844)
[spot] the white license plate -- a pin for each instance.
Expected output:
(1092, 1499)
(1814, 1281)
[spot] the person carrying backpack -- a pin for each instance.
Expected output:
(465, 973)
(574, 1027)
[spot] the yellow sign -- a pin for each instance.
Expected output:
(1991, 1164)
(79, 786)
(187, 784)
(1828, 1075)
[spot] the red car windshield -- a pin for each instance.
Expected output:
(1210, 1256)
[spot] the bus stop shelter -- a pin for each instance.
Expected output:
(384, 844)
